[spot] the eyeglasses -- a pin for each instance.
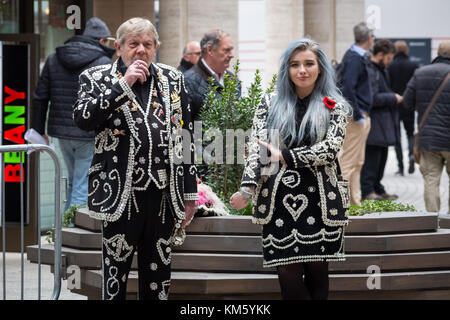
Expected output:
(195, 53)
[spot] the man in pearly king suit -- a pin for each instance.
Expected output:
(142, 182)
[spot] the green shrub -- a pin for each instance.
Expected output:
(230, 110)
(69, 216)
(370, 206)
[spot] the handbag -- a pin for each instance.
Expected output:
(416, 151)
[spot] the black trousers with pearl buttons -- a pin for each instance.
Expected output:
(146, 227)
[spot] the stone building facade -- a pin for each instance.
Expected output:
(330, 22)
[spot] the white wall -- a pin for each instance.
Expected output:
(251, 40)
(413, 18)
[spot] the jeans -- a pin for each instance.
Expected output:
(78, 157)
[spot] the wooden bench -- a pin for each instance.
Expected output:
(222, 259)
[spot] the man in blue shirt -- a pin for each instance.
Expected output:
(356, 89)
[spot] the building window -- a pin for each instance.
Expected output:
(50, 22)
(9, 16)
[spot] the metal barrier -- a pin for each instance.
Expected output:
(58, 209)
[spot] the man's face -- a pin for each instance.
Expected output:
(222, 55)
(137, 47)
(387, 59)
(193, 53)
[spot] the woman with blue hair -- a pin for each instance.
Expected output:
(298, 194)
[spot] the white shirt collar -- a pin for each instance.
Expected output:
(358, 50)
(215, 75)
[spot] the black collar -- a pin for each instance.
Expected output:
(401, 55)
(441, 59)
(186, 64)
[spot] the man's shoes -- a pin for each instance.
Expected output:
(400, 173)
(411, 166)
(372, 196)
(387, 196)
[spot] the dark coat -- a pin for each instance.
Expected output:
(197, 84)
(355, 84)
(400, 72)
(109, 106)
(320, 158)
(58, 85)
(383, 115)
(184, 65)
(435, 135)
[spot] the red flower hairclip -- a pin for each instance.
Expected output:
(329, 103)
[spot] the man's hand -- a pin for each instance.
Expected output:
(238, 201)
(189, 209)
(399, 98)
(138, 70)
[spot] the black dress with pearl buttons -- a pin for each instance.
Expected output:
(292, 204)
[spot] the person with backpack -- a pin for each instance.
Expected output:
(355, 86)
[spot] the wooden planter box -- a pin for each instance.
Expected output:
(222, 259)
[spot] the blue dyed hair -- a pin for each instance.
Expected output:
(283, 106)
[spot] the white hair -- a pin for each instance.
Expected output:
(136, 26)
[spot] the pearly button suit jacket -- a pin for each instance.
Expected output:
(107, 104)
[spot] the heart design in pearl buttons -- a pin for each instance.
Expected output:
(295, 204)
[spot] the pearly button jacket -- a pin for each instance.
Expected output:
(320, 159)
(123, 162)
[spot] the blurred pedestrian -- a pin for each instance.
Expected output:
(217, 52)
(428, 92)
(400, 72)
(191, 54)
(356, 89)
(58, 84)
(383, 130)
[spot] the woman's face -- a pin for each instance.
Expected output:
(303, 71)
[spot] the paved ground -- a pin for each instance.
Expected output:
(13, 276)
(409, 189)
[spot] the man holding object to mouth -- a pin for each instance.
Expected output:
(142, 180)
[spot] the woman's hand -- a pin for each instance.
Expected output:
(189, 207)
(275, 153)
(238, 201)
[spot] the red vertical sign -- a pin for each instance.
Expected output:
(13, 115)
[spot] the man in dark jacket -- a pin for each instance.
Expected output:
(58, 85)
(191, 54)
(383, 130)
(356, 89)
(434, 137)
(400, 72)
(217, 52)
